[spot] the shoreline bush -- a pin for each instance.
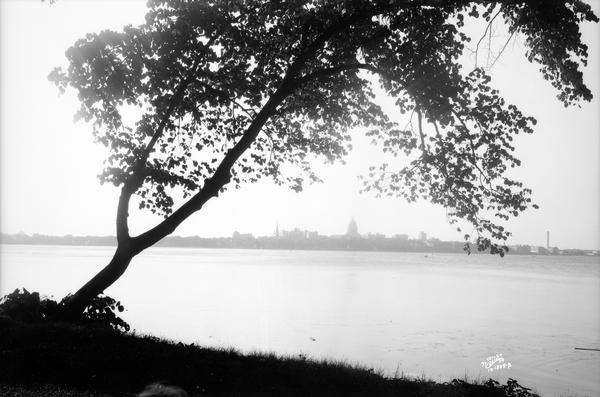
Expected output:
(29, 307)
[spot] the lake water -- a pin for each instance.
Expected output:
(437, 315)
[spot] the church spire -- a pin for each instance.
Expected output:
(352, 228)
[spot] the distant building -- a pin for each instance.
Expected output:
(520, 249)
(276, 234)
(352, 229)
(296, 234)
(403, 237)
(242, 236)
(422, 236)
(534, 250)
(539, 250)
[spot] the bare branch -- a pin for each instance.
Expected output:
(485, 32)
(502, 50)
(421, 134)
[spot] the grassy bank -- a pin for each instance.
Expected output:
(60, 359)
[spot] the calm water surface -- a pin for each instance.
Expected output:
(437, 315)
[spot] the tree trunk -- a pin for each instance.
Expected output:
(76, 304)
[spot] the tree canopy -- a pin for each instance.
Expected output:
(231, 91)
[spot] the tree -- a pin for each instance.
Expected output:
(227, 92)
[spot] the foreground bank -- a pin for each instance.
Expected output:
(94, 361)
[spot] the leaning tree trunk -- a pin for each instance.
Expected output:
(128, 247)
(75, 305)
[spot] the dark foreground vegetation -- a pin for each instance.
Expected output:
(95, 360)
(96, 357)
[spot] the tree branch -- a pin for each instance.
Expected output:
(502, 50)
(220, 178)
(219, 92)
(487, 27)
(348, 66)
(173, 103)
(421, 134)
(482, 174)
(136, 178)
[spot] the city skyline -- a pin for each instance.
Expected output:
(352, 231)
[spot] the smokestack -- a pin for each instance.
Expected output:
(548, 240)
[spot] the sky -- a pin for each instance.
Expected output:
(49, 164)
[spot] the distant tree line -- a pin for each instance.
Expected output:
(293, 240)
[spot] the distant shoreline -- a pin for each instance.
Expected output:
(376, 243)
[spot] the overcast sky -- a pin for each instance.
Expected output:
(49, 164)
